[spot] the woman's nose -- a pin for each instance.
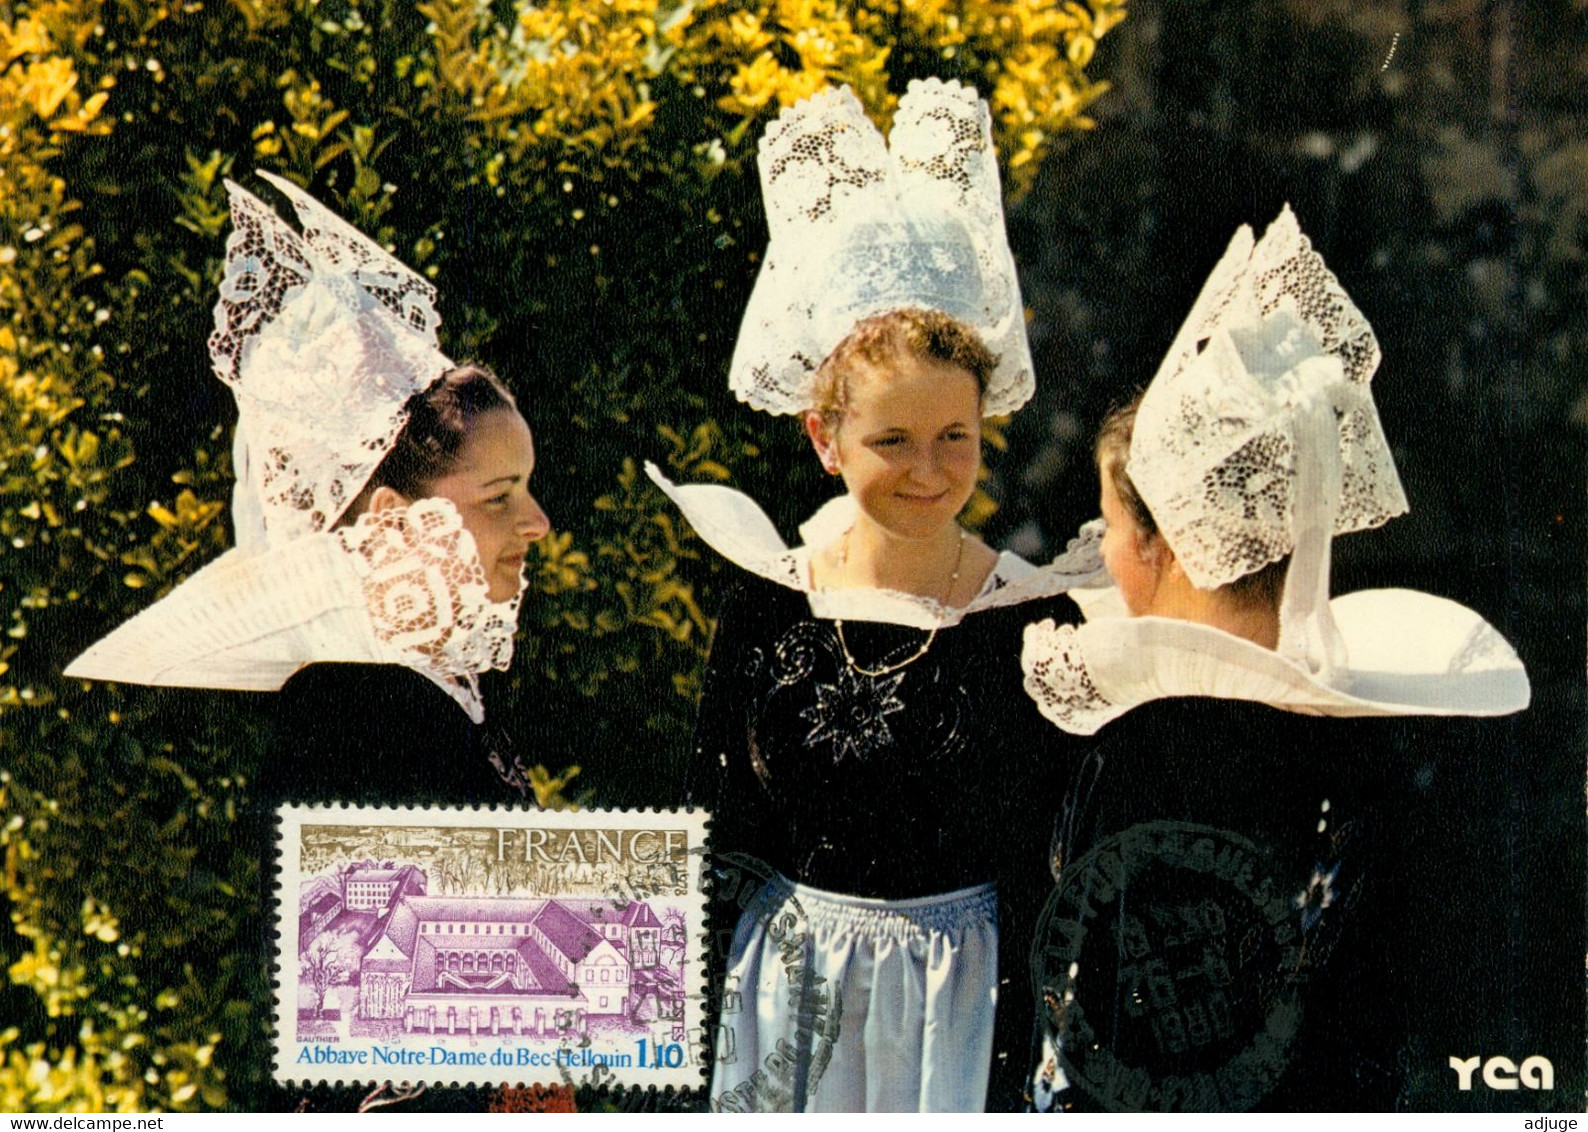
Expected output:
(534, 523)
(928, 467)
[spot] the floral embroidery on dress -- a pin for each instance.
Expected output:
(1317, 896)
(852, 713)
(853, 716)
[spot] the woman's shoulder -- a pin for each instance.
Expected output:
(367, 732)
(1008, 606)
(1242, 740)
(373, 708)
(749, 599)
(338, 682)
(1212, 720)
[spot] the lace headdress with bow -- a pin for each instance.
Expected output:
(322, 337)
(1258, 439)
(860, 226)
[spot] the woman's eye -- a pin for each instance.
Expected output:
(957, 434)
(887, 442)
(497, 500)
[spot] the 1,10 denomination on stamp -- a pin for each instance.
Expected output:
(489, 946)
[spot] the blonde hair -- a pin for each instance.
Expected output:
(877, 340)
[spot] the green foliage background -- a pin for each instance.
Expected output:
(579, 179)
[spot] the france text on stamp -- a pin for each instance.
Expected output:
(489, 946)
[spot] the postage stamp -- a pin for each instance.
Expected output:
(503, 947)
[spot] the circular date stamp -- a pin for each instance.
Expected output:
(758, 1069)
(1170, 961)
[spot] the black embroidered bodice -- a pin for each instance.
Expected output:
(905, 784)
(381, 734)
(935, 777)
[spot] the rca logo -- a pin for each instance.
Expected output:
(1502, 1073)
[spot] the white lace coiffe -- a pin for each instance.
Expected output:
(1258, 437)
(860, 226)
(322, 337)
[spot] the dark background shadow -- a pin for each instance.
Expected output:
(1435, 154)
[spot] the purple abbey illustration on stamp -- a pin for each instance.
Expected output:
(488, 946)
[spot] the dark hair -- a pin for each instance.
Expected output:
(439, 421)
(879, 339)
(1263, 587)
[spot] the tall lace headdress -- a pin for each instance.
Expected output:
(860, 226)
(323, 337)
(1258, 437)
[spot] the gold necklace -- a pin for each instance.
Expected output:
(887, 669)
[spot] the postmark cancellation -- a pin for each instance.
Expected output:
(489, 946)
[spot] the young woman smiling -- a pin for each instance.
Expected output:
(872, 769)
(898, 417)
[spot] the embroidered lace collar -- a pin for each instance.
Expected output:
(735, 526)
(1410, 653)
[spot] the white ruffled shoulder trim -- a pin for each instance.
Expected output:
(736, 527)
(1410, 653)
(401, 587)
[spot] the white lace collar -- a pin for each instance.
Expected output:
(1410, 653)
(401, 586)
(735, 526)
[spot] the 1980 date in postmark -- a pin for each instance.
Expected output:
(488, 946)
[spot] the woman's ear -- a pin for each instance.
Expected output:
(384, 497)
(1150, 548)
(824, 438)
(1168, 565)
(1155, 551)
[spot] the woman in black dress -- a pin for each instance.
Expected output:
(1220, 935)
(382, 517)
(862, 742)
(411, 729)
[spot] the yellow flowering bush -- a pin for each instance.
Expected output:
(587, 79)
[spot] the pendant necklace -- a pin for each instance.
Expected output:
(886, 669)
